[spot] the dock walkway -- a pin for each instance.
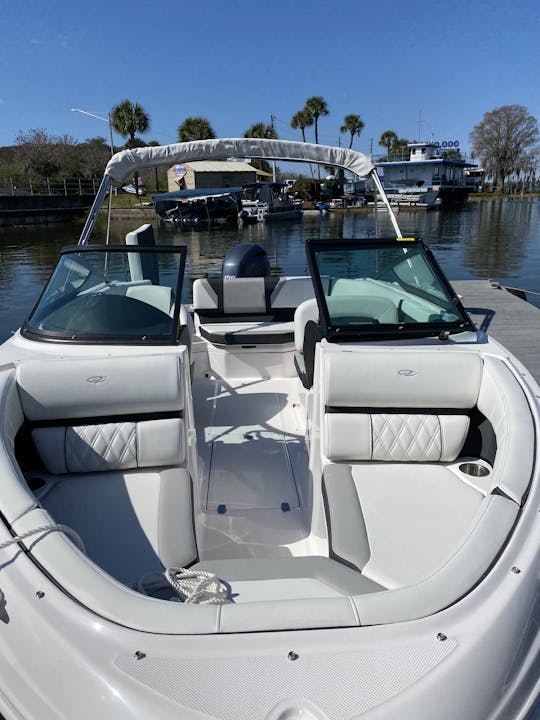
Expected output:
(511, 321)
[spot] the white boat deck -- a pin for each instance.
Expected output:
(254, 468)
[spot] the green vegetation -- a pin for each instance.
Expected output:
(318, 107)
(353, 125)
(127, 119)
(195, 128)
(504, 142)
(396, 148)
(261, 130)
(301, 120)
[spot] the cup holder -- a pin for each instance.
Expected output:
(35, 483)
(474, 469)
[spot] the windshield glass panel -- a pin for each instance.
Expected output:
(374, 286)
(112, 293)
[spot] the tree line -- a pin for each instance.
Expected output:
(504, 142)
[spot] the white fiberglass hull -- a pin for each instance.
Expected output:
(476, 659)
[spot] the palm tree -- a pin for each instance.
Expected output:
(261, 130)
(195, 128)
(302, 119)
(352, 124)
(317, 106)
(128, 118)
(388, 139)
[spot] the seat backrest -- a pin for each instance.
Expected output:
(305, 312)
(143, 267)
(217, 297)
(158, 296)
(97, 414)
(290, 292)
(399, 406)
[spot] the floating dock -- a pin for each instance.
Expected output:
(511, 321)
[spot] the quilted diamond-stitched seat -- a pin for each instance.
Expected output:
(392, 424)
(117, 475)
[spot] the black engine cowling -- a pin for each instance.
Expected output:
(246, 260)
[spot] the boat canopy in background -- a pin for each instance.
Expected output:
(197, 193)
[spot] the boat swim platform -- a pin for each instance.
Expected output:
(511, 321)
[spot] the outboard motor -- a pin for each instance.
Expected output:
(246, 260)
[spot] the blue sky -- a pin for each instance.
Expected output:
(239, 62)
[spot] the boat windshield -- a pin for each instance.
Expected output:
(111, 294)
(382, 288)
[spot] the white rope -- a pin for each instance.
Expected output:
(197, 586)
(46, 529)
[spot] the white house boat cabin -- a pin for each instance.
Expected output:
(427, 178)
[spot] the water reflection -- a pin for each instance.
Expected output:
(499, 240)
(496, 239)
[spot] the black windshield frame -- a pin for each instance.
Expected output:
(34, 333)
(351, 332)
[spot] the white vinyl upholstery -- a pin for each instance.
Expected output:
(261, 309)
(121, 484)
(380, 309)
(16, 497)
(415, 517)
(158, 296)
(454, 577)
(131, 522)
(504, 404)
(110, 446)
(290, 292)
(287, 578)
(204, 295)
(402, 379)
(91, 387)
(391, 424)
(306, 311)
(244, 295)
(84, 580)
(395, 437)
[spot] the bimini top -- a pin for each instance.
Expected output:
(125, 163)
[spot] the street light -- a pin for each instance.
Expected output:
(107, 120)
(99, 117)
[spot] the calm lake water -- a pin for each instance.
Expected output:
(497, 239)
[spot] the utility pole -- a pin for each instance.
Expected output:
(421, 121)
(272, 120)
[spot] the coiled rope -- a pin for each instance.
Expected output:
(197, 586)
(192, 587)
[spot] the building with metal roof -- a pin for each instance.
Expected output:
(203, 174)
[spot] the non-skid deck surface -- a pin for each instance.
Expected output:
(251, 442)
(247, 436)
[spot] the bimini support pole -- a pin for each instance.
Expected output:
(103, 189)
(376, 179)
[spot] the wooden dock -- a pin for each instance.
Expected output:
(511, 321)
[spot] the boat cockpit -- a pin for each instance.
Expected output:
(335, 450)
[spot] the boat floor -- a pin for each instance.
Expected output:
(254, 468)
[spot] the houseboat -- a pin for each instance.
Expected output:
(432, 176)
